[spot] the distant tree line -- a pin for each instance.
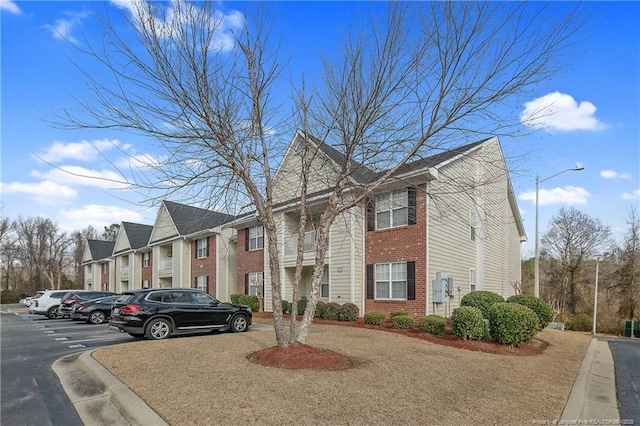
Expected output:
(35, 254)
(570, 248)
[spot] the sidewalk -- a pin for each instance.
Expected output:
(593, 396)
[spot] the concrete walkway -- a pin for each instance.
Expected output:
(593, 396)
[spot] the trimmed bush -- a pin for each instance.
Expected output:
(512, 323)
(332, 311)
(537, 305)
(404, 322)
(580, 322)
(467, 323)
(320, 306)
(302, 305)
(349, 312)
(251, 301)
(286, 307)
(398, 313)
(235, 298)
(432, 324)
(481, 300)
(374, 318)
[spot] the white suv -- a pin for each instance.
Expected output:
(48, 303)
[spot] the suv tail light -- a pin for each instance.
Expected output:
(36, 304)
(130, 309)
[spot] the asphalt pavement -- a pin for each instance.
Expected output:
(626, 357)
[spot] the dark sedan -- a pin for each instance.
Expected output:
(95, 311)
(159, 313)
(71, 298)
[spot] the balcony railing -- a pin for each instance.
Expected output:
(124, 271)
(165, 264)
(309, 243)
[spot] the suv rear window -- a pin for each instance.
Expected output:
(58, 294)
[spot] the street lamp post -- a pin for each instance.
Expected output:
(595, 299)
(536, 280)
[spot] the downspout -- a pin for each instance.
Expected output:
(352, 259)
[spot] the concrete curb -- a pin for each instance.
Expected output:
(100, 398)
(593, 395)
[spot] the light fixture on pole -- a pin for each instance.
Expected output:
(595, 298)
(536, 279)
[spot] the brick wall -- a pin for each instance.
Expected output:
(146, 273)
(205, 266)
(247, 261)
(401, 244)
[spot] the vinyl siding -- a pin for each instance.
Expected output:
(163, 227)
(226, 265)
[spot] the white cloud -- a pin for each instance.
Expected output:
(568, 195)
(46, 192)
(76, 175)
(62, 28)
(141, 161)
(611, 174)
(634, 195)
(10, 6)
(560, 112)
(82, 151)
(97, 216)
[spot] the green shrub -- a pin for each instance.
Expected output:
(467, 323)
(286, 307)
(481, 300)
(580, 322)
(398, 313)
(250, 301)
(512, 323)
(432, 324)
(404, 322)
(320, 306)
(235, 299)
(12, 296)
(332, 311)
(349, 312)
(374, 318)
(302, 305)
(537, 305)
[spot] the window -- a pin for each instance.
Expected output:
(104, 268)
(472, 280)
(202, 248)
(256, 280)
(203, 299)
(391, 280)
(392, 209)
(324, 284)
(202, 283)
(472, 226)
(256, 238)
(145, 259)
(145, 284)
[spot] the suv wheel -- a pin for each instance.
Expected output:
(239, 323)
(97, 317)
(158, 329)
(52, 313)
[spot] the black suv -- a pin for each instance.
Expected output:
(71, 298)
(157, 313)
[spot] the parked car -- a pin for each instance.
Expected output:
(161, 312)
(95, 311)
(47, 304)
(75, 296)
(27, 300)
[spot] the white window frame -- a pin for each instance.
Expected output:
(201, 247)
(472, 280)
(388, 280)
(396, 205)
(256, 238)
(256, 283)
(201, 283)
(146, 257)
(104, 268)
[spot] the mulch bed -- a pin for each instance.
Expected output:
(300, 356)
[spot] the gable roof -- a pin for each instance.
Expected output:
(100, 249)
(189, 219)
(137, 235)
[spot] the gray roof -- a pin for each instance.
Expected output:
(137, 234)
(189, 219)
(100, 249)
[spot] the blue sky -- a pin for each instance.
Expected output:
(595, 122)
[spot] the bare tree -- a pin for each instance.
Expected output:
(110, 232)
(573, 239)
(79, 239)
(410, 80)
(628, 271)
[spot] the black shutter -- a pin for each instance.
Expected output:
(369, 281)
(246, 239)
(246, 283)
(207, 255)
(371, 214)
(411, 280)
(411, 213)
(195, 249)
(207, 283)
(195, 282)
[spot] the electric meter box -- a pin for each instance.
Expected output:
(439, 286)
